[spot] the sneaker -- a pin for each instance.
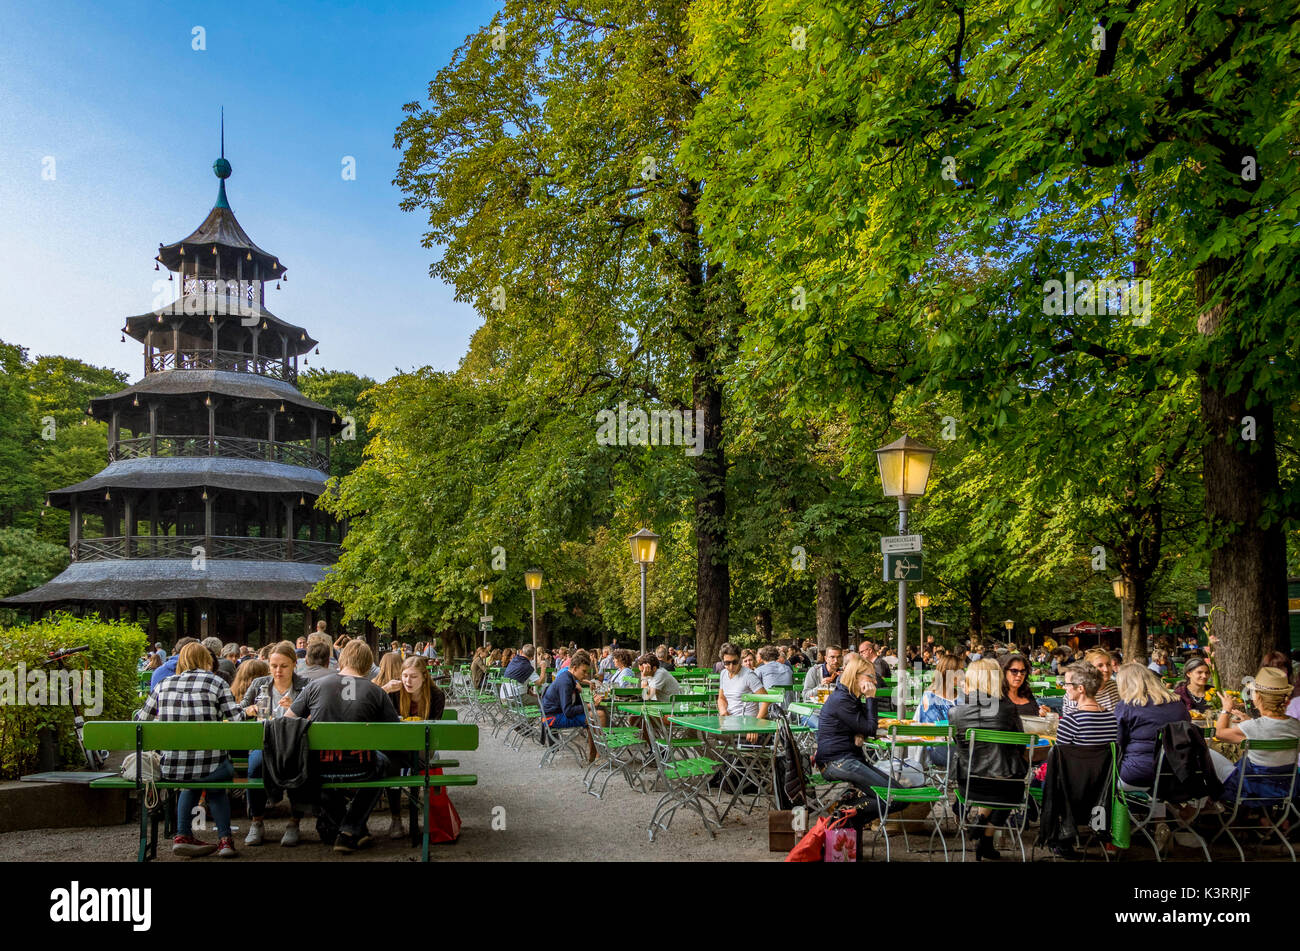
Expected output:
(290, 837)
(226, 848)
(191, 847)
(365, 840)
(345, 843)
(395, 828)
(255, 831)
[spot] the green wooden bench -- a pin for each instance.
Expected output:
(424, 737)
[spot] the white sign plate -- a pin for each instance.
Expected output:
(900, 544)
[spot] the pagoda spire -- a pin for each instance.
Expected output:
(222, 167)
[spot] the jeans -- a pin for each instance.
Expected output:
(218, 802)
(342, 811)
(257, 797)
(561, 721)
(852, 770)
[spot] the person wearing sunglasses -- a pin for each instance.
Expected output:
(1015, 686)
(736, 681)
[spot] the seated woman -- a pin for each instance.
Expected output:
(938, 700)
(997, 773)
(1015, 678)
(1089, 723)
(1145, 706)
(478, 668)
(282, 686)
(247, 672)
(1108, 695)
(418, 697)
(848, 717)
(195, 692)
(1268, 772)
(1196, 681)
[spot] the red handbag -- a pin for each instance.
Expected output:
(444, 820)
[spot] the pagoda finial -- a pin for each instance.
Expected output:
(222, 167)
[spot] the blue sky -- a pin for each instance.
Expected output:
(129, 112)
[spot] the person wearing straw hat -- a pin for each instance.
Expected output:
(1272, 692)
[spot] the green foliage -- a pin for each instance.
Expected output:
(341, 391)
(26, 562)
(115, 649)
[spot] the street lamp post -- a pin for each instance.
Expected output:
(922, 602)
(645, 544)
(1120, 588)
(485, 598)
(533, 581)
(1008, 624)
(904, 472)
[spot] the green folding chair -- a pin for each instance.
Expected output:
(1016, 795)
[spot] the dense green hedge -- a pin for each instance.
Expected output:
(115, 649)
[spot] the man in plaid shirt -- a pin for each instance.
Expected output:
(194, 692)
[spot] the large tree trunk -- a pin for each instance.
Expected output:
(1248, 570)
(1133, 630)
(975, 592)
(713, 574)
(829, 613)
(763, 625)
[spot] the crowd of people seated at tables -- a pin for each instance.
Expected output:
(318, 679)
(1105, 701)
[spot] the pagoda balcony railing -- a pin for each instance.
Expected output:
(190, 547)
(209, 359)
(229, 447)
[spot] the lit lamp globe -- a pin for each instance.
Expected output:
(645, 545)
(1117, 586)
(533, 579)
(922, 600)
(904, 467)
(1008, 624)
(485, 596)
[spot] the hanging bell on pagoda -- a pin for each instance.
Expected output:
(155, 266)
(277, 285)
(170, 276)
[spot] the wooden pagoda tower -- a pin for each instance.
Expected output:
(215, 459)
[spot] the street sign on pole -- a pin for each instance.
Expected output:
(486, 619)
(893, 544)
(903, 567)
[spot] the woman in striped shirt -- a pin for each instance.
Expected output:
(1107, 693)
(1088, 723)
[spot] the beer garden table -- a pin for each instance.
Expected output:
(745, 763)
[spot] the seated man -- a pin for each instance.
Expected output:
(316, 663)
(825, 674)
(347, 697)
(562, 703)
(771, 671)
(521, 669)
(737, 681)
(656, 683)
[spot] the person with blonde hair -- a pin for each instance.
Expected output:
(194, 692)
(1145, 706)
(847, 719)
(995, 773)
(1108, 694)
